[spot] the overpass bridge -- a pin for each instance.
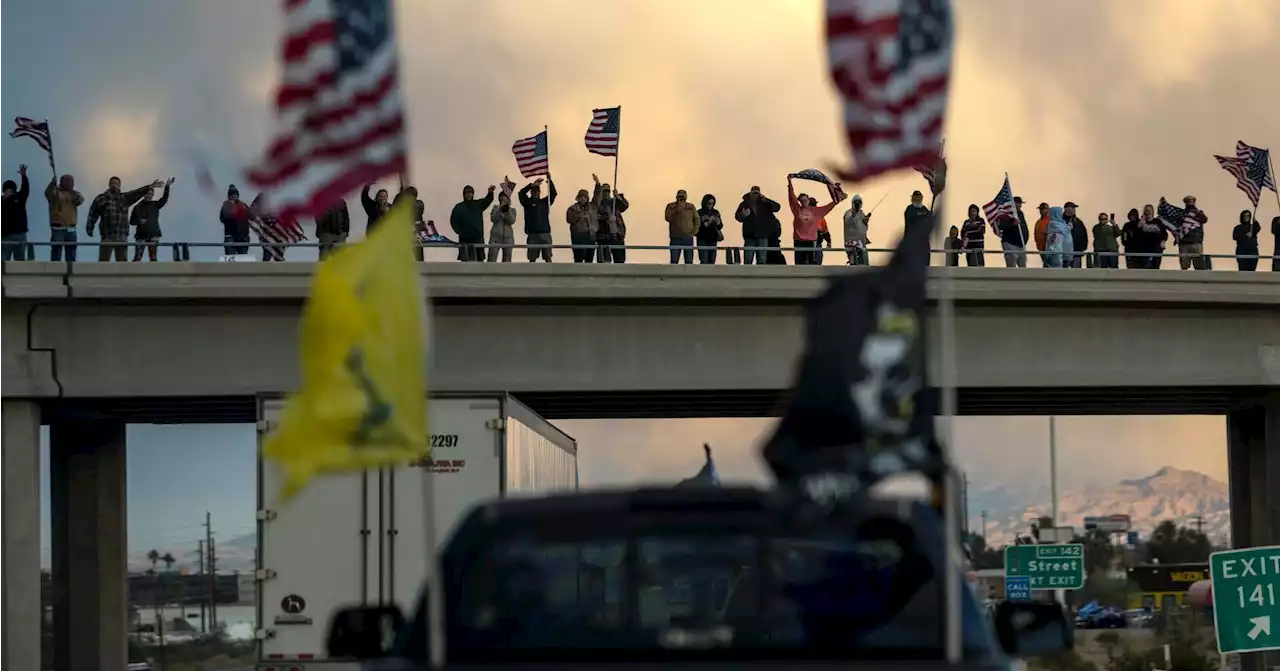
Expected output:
(89, 347)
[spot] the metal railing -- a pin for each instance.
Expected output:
(665, 254)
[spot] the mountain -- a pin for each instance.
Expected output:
(1168, 494)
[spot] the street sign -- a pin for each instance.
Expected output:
(1246, 598)
(1017, 588)
(1046, 566)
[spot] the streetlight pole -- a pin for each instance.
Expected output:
(1058, 595)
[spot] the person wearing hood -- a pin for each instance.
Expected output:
(806, 218)
(111, 208)
(64, 214)
(14, 217)
(611, 234)
(1130, 239)
(856, 226)
(503, 232)
(333, 227)
(374, 207)
(759, 218)
(1191, 236)
(951, 247)
(1106, 241)
(145, 220)
(682, 226)
(1079, 246)
(1059, 245)
(973, 234)
(1246, 236)
(710, 230)
(235, 223)
(537, 218)
(467, 220)
(583, 222)
(1013, 236)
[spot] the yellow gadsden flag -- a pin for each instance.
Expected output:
(363, 396)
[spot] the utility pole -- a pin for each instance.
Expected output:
(964, 510)
(200, 556)
(1199, 522)
(212, 566)
(984, 527)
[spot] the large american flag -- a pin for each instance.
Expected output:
(891, 62)
(531, 155)
(1176, 219)
(1000, 207)
(36, 130)
(1259, 162)
(271, 229)
(603, 133)
(339, 108)
(1245, 181)
(834, 189)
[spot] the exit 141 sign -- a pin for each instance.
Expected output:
(1246, 598)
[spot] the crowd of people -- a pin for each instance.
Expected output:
(597, 228)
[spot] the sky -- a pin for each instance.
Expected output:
(1129, 104)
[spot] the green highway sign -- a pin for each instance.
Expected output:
(1048, 566)
(1246, 598)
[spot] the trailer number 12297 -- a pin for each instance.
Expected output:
(444, 440)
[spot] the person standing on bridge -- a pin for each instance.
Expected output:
(235, 223)
(1106, 241)
(537, 218)
(806, 218)
(1154, 236)
(1059, 244)
(145, 220)
(111, 208)
(64, 215)
(1275, 251)
(611, 234)
(583, 223)
(503, 232)
(759, 218)
(682, 226)
(1042, 234)
(1130, 239)
(1191, 236)
(710, 230)
(15, 217)
(374, 207)
(973, 234)
(333, 227)
(467, 220)
(1078, 246)
(856, 226)
(1013, 236)
(1246, 236)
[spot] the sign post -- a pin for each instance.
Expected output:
(1246, 599)
(1046, 566)
(1017, 588)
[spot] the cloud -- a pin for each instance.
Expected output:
(117, 141)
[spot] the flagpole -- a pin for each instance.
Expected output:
(52, 165)
(946, 329)
(616, 147)
(1276, 190)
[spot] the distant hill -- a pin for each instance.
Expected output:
(1168, 494)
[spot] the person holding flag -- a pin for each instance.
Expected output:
(502, 235)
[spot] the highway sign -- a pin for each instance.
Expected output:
(1046, 566)
(1246, 598)
(1108, 523)
(1017, 588)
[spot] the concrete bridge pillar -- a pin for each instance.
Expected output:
(90, 572)
(21, 630)
(1253, 465)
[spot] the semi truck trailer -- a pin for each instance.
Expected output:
(361, 538)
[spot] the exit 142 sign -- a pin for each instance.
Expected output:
(1046, 566)
(1246, 598)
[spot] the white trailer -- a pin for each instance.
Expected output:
(360, 538)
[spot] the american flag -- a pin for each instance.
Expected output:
(1259, 162)
(1176, 219)
(531, 155)
(272, 229)
(36, 130)
(1000, 207)
(891, 62)
(338, 106)
(1239, 168)
(603, 133)
(508, 186)
(834, 189)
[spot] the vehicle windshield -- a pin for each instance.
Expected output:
(704, 593)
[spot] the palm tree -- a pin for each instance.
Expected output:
(154, 557)
(168, 562)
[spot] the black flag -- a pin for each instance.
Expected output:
(860, 409)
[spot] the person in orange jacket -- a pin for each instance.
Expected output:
(1042, 232)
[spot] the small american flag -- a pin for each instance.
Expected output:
(338, 106)
(1259, 162)
(1000, 207)
(273, 230)
(508, 186)
(531, 155)
(891, 62)
(834, 189)
(603, 133)
(1245, 181)
(36, 130)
